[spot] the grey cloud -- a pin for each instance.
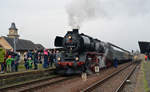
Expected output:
(122, 22)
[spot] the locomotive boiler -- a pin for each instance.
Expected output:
(83, 53)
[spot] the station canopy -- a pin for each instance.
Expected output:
(144, 47)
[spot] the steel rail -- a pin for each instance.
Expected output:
(31, 89)
(127, 77)
(95, 85)
(27, 83)
(22, 88)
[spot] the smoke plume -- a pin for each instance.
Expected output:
(82, 10)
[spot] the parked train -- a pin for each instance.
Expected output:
(83, 53)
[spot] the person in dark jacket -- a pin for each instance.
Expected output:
(50, 58)
(39, 58)
(16, 61)
(29, 54)
(45, 65)
(115, 62)
(54, 56)
(25, 61)
(35, 55)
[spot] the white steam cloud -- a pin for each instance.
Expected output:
(82, 10)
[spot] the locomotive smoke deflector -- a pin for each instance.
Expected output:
(59, 41)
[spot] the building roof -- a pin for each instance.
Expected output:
(39, 46)
(21, 44)
(13, 26)
(144, 47)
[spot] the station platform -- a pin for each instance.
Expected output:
(143, 78)
(21, 69)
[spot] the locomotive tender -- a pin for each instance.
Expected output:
(83, 53)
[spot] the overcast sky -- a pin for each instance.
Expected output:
(122, 22)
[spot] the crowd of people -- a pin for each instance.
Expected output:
(33, 58)
(9, 60)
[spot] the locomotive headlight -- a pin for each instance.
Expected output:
(77, 58)
(69, 37)
(58, 58)
(89, 59)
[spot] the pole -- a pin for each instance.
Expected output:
(14, 44)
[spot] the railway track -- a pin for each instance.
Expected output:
(35, 84)
(77, 84)
(113, 82)
(120, 88)
(57, 81)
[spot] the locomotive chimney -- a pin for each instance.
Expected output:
(75, 31)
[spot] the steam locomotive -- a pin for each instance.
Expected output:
(83, 53)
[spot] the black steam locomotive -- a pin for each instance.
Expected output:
(82, 53)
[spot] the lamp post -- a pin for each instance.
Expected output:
(15, 41)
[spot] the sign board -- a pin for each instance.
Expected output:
(96, 69)
(84, 76)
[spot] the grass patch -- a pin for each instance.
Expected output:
(146, 88)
